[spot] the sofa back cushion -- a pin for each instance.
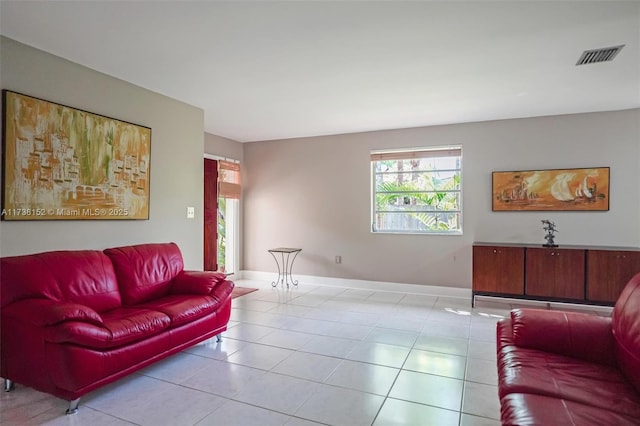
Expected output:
(85, 277)
(626, 331)
(145, 271)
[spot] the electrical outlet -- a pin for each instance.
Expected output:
(191, 212)
(338, 259)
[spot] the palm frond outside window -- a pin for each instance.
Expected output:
(417, 191)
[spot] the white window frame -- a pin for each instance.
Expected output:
(409, 153)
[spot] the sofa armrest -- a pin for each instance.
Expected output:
(576, 335)
(196, 282)
(504, 333)
(46, 312)
(223, 290)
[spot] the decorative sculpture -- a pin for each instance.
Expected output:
(550, 227)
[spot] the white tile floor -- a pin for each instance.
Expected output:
(306, 356)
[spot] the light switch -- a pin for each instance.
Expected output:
(191, 212)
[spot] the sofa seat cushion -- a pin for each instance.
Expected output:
(181, 309)
(528, 409)
(531, 371)
(120, 326)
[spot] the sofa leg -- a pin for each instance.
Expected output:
(219, 337)
(9, 385)
(73, 406)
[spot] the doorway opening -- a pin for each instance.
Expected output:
(222, 215)
(228, 230)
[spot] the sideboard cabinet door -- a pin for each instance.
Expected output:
(498, 269)
(555, 273)
(608, 272)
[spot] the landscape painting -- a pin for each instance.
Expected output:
(64, 163)
(584, 189)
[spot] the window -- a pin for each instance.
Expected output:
(228, 234)
(417, 191)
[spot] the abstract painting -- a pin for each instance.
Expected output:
(584, 189)
(64, 163)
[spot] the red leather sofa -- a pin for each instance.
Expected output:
(73, 321)
(563, 368)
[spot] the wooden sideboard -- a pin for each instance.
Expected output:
(576, 274)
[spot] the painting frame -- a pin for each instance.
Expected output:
(66, 163)
(584, 189)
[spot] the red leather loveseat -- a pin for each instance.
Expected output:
(73, 321)
(562, 368)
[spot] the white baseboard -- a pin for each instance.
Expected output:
(362, 284)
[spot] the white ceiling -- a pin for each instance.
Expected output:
(271, 70)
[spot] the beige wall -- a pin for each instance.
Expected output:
(176, 156)
(314, 193)
(223, 147)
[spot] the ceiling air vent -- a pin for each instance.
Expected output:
(599, 55)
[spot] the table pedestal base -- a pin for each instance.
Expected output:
(285, 264)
